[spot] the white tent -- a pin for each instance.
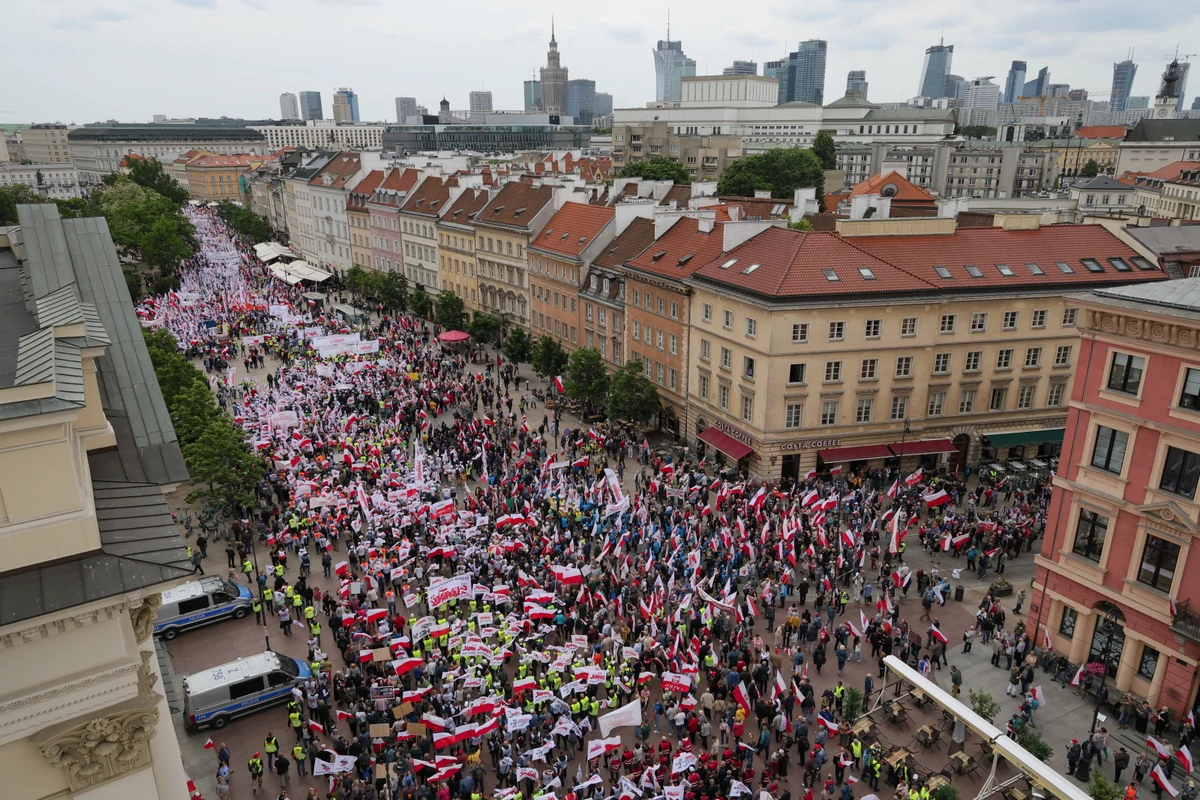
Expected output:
(269, 251)
(298, 271)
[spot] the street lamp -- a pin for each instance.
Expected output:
(903, 437)
(1106, 628)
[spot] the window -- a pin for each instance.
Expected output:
(637, 334)
(1190, 396)
(1033, 357)
(674, 345)
(1066, 625)
(1064, 267)
(793, 413)
(1062, 356)
(1025, 397)
(1010, 320)
(949, 323)
(748, 366)
(873, 328)
(751, 327)
(703, 387)
(978, 323)
(1109, 454)
(246, 688)
(943, 272)
(705, 310)
(999, 396)
(833, 371)
(726, 358)
(1004, 358)
(966, 403)
(1125, 374)
(1091, 264)
(1180, 472)
(659, 340)
(1054, 398)
(796, 373)
(867, 373)
(837, 331)
(662, 306)
(1090, 532)
(799, 332)
(724, 396)
(194, 604)
(937, 403)
(1159, 558)
(1069, 317)
(904, 366)
(1039, 318)
(728, 324)
(747, 407)
(829, 413)
(674, 310)
(705, 347)
(863, 412)
(973, 357)
(658, 369)
(941, 363)
(899, 406)
(1149, 661)
(908, 326)
(972, 270)
(1004, 269)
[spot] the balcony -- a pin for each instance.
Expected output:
(1186, 622)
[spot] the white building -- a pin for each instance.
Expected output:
(405, 107)
(328, 190)
(289, 106)
(98, 150)
(53, 181)
(322, 134)
(480, 101)
(982, 93)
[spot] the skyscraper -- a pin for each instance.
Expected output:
(1015, 83)
(1181, 87)
(533, 95)
(1122, 84)
(581, 101)
(933, 73)
(345, 105)
(982, 93)
(671, 66)
(310, 106)
(1039, 85)
(603, 104)
(481, 101)
(779, 71)
(806, 72)
(405, 107)
(856, 81)
(554, 79)
(954, 87)
(741, 68)
(289, 107)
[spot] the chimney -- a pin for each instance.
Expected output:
(804, 202)
(739, 232)
(859, 204)
(706, 223)
(762, 194)
(883, 207)
(663, 223)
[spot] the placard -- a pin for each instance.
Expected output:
(380, 730)
(416, 728)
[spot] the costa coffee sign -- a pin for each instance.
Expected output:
(810, 444)
(734, 432)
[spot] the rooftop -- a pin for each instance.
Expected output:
(1101, 182)
(430, 198)
(1101, 132)
(1182, 294)
(682, 250)
(631, 243)
(516, 204)
(572, 228)
(1165, 130)
(238, 160)
(466, 206)
(364, 190)
(340, 169)
(895, 186)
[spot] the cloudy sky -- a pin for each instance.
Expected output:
(89, 60)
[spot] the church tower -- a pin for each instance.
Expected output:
(554, 79)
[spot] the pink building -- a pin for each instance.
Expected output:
(387, 246)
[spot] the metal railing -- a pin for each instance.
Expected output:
(1186, 621)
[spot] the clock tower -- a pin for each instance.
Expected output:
(1168, 94)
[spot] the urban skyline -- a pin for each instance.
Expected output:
(886, 40)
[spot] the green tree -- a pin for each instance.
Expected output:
(823, 148)
(394, 292)
(781, 171)
(1029, 738)
(657, 168)
(192, 412)
(976, 131)
(162, 246)
(1101, 789)
(484, 328)
(1091, 169)
(631, 395)
(355, 278)
(853, 704)
(586, 379)
(801, 224)
(244, 221)
(420, 302)
(148, 173)
(945, 792)
(134, 215)
(449, 311)
(549, 358)
(75, 207)
(220, 459)
(518, 346)
(13, 196)
(983, 704)
(133, 282)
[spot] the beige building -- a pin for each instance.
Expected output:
(46, 143)
(955, 347)
(503, 230)
(704, 156)
(456, 246)
(89, 540)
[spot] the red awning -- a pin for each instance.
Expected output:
(862, 452)
(923, 447)
(726, 443)
(454, 337)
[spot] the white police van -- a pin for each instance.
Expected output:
(201, 602)
(215, 696)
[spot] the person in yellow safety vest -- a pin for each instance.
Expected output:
(247, 567)
(279, 570)
(297, 603)
(856, 751)
(256, 607)
(299, 755)
(255, 766)
(310, 612)
(925, 793)
(575, 709)
(476, 795)
(271, 747)
(913, 794)
(594, 711)
(314, 630)
(297, 724)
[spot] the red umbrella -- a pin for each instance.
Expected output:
(454, 337)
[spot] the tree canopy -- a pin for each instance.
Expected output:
(16, 195)
(549, 358)
(781, 171)
(657, 168)
(1091, 169)
(148, 173)
(420, 302)
(586, 379)
(449, 312)
(632, 396)
(825, 151)
(484, 328)
(244, 221)
(518, 346)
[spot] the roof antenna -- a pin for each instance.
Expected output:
(942, 38)
(668, 24)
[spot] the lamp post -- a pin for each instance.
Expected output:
(260, 589)
(903, 438)
(1107, 627)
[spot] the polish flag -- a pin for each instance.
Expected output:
(341, 715)
(567, 575)
(316, 727)
(208, 745)
(1160, 748)
(780, 686)
(894, 490)
(582, 462)
(808, 476)
(403, 665)
(897, 535)
(1185, 757)
(742, 696)
(936, 499)
(804, 672)
(937, 634)
(915, 478)
(809, 498)
(1078, 676)
(524, 684)
(1046, 638)
(829, 724)
(1039, 695)
(558, 384)
(1160, 778)
(835, 469)
(342, 569)
(376, 614)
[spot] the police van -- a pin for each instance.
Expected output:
(201, 602)
(215, 696)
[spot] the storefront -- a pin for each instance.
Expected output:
(1042, 444)
(731, 447)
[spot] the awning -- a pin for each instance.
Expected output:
(298, 271)
(923, 447)
(841, 455)
(453, 337)
(726, 443)
(1042, 436)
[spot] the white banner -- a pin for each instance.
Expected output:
(443, 590)
(628, 715)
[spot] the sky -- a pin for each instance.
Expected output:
(92, 60)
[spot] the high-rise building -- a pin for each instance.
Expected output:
(481, 101)
(779, 71)
(1038, 86)
(345, 105)
(1058, 90)
(982, 93)
(671, 66)
(533, 95)
(1077, 94)
(580, 101)
(46, 143)
(954, 87)
(741, 68)
(289, 106)
(1196, 104)
(1015, 83)
(554, 79)
(856, 81)
(604, 104)
(935, 70)
(1181, 87)
(1122, 84)
(806, 72)
(310, 106)
(405, 107)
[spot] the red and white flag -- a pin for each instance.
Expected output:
(1039, 695)
(1160, 748)
(938, 498)
(1078, 676)
(742, 696)
(1160, 778)
(1046, 638)
(915, 478)
(558, 384)
(316, 727)
(937, 634)
(208, 745)
(1185, 757)
(897, 534)
(894, 490)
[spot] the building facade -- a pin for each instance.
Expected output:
(54, 181)
(1014, 84)
(1122, 83)
(345, 106)
(217, 177)
(481, 101)
(322, 134)
(671, 66)
(806, 72)
(97, 150)
(741, 68)
(46, 143)
(503, 231)
(310, 106)
(936, 67)
(559, 258)
(289, 107)
(856, 82)
(497, 138)
(405, 107)
(1111, 583)
(358, 216)
(328, 190)
(456, 246)
(553, 80)
(533, 95)
(423, 207)
(387, 237)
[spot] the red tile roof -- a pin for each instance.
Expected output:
(905, 190)
(344, 166)
(632, 242)
(1101, 132)
(761, 207)
(795, 264)
(682, 250)
(430, 198)
(516, 204)
(572, 228)
(468, 204)
(361, 194)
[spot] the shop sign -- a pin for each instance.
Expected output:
(810, 444)
(734, 432)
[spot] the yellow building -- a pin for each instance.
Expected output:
(955, 347)
(215, 177)
(456, 246)
(503, 229)
(1073, 154)
(89, 542)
